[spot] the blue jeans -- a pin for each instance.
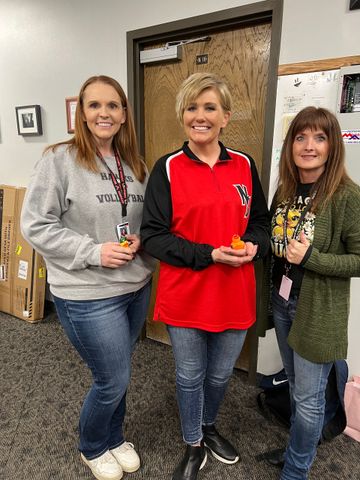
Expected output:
(104, 333)
(307, 385)
(204, 364)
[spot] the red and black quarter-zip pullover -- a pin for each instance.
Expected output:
(191, 208)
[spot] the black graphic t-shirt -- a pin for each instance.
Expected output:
(300, 202)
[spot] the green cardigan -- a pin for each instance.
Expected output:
(319, 330)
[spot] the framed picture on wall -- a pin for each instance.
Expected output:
(71, 103)
(28, 118)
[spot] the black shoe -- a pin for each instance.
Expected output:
(275, 457)
(193, 461)
(220, 448)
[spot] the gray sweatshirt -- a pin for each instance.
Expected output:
(68, 213)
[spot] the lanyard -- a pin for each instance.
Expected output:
(120, 186)
(297, 229)
(298, 226)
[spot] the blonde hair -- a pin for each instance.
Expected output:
(124, 141)
(334, 174)
(194, 85)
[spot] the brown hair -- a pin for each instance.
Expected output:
(124, 141)
(334, 174)
(194, 85)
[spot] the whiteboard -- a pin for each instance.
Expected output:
(294, 92)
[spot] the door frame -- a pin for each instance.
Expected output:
(267, 10)
(203, 25)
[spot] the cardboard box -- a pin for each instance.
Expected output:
(8, 208)
(22, 291)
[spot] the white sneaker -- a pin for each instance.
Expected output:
(104, 467)
(127, 457)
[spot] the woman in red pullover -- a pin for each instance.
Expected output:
(197, 198)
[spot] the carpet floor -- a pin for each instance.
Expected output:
(43, 382)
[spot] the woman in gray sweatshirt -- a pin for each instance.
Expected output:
(83, 191)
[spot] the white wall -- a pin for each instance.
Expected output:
(49, 47)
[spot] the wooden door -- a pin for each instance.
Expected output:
(241, 58)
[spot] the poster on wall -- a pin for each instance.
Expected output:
(28, 119)
(71, 103)
(351, 136)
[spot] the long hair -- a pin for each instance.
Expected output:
(124, 141)
(334, 174)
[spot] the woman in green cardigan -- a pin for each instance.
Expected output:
(316, 249)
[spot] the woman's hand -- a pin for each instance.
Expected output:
(113, 255)
(232, 257)
(296, 250)
(135, 242)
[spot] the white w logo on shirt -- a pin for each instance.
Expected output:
(245, 197)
